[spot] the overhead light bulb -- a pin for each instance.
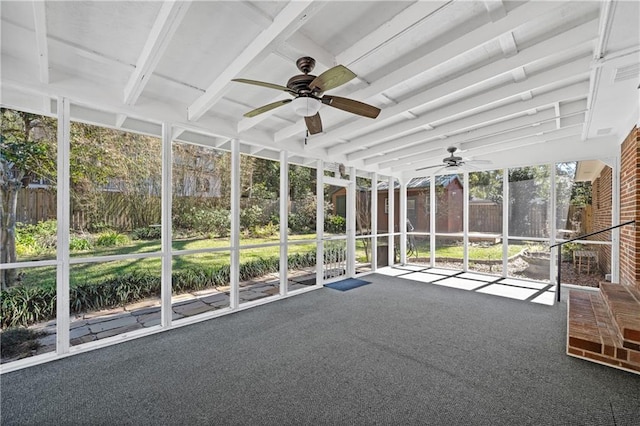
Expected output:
(305, 106)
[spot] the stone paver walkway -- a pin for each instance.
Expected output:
(90, 326)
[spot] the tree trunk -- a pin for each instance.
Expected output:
(9, 197)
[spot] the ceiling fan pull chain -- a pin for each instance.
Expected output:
(306, 137)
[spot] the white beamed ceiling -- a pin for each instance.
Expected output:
(508, 81)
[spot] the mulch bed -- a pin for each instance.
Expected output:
(518, 269)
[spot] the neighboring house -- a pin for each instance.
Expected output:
(449, 200)
(196, 176)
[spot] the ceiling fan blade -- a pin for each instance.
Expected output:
(314, 124)
(349, 105)
(429, 167)
(332, 78)
(264, 84)
(479, 162)
(267, 107)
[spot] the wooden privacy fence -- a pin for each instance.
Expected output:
(485, 218)
(115, 210)
(36, 205)
(39, 204)
(580, 219)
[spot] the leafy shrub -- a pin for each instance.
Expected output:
(23, 305)
(251, 217)
(147, 233)
(36, 239)
(220, 222)
(264, 231)
(303, 219)
(26, 246)
(258, 267)
(111, 239)
(79, 243)
(19, 341)
(96, 227)
(335, 224)
(301, 224)
(568, 249)
(199, 221)
(200, 278)
(112, 292)
(302, 260)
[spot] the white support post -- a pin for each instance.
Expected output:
(351, 223)
(465, 221)
(166, 227)
(553, 271)
(615, 219)
(432, 221)
(391, 221)
(505, 222)
(284, 221)
(374, 222)
(319, 223)
(63, 217)
(402, 222)
(235, 224)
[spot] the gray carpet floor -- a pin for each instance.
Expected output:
(394, 352)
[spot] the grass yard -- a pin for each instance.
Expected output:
(492, 252)
(99, 271)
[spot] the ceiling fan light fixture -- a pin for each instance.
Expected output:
(305, 106)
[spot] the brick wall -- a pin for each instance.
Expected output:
(602, 202)
(629, 207)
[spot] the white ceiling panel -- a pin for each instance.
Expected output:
(498, 79)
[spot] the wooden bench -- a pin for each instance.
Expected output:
(587, 258)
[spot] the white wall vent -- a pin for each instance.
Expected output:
(626, 73)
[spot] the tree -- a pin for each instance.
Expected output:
(529, 189)
(302, 181)
(28, 150)
(114, 174)
(363, 212)
(486, 185)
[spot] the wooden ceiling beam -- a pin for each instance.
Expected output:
(459, 46)
(40, 26)
(164, 27)
(292, 17)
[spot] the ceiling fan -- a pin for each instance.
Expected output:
(308, 92)
(453, 161)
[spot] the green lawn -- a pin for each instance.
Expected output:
(98, 271)
(492, 252)
(455, 251)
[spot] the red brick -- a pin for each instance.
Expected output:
(628, 366)
(603, 359)
(574, 351)
(622, 354)
(587, 345)
(609, 350)
(629, 202)
(630, 334)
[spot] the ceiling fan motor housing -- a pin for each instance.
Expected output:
(300, 83)
(306, 64)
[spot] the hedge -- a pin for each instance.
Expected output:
(24, 305)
